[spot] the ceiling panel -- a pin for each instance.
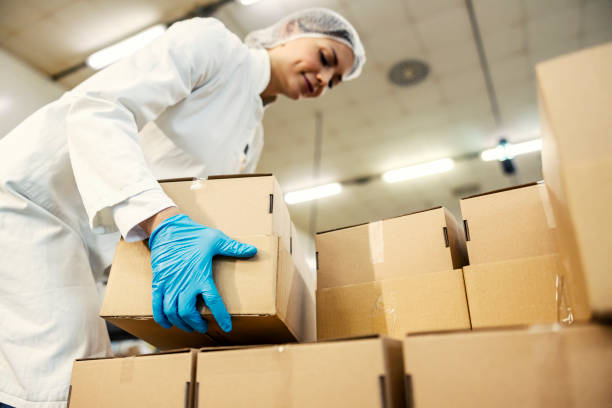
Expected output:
(449, 27)
(505, 42)
(553, 27)
(495, 15)
(540, 8)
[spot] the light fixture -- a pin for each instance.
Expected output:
(419, 170)
(509, 150)
(247, 2)
(110, 54)
(313, 193)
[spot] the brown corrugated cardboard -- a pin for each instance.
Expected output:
(509, 224)
(266, 296)
(425, 302)
(357, 373)
(163, 380)
(519, 291)
(541, 367)
(427, 241)
(575, 96)
(236, 205)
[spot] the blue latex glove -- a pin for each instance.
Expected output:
(181, 257)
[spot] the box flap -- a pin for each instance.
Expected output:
(365, 223)
(501, 190)
(392, 248)
(162, 380)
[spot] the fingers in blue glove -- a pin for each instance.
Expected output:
(158, 307)
(229, 247)
(213, 301)
(171, 312)
(188, 312)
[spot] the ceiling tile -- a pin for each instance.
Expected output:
(539, 8)
(554, 49)
(255, 16)
(420, 96)
(371, 16)
(504, 43)
(597, 37)
(494, 15)
(463, 84)
(512, 71)
(455, 59)
(17, 15)
(36, 46)
(450, 27)
(392, 45)
(422, 10)
(552, 27)
(597, 16)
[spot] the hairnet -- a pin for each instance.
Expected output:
(312, 22)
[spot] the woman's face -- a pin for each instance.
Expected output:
(304, 67)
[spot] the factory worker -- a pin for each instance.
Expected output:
(79, 169)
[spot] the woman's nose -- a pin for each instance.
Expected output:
(324, 76)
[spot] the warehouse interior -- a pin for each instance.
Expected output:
(448, 94)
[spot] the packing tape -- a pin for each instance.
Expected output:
(565, 314)
(385, 307)
(548, 211)
(197, 183)
(377, 243)
(127, 370)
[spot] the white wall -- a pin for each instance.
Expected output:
(22, 91)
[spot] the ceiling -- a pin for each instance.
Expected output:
(368, 125)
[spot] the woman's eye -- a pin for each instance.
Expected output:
(323, 59)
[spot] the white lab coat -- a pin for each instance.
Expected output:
(76, 168)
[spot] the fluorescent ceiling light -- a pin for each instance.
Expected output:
(108, 55)
(248, 2)
(510, 150)
(313, 193)
(419, 170)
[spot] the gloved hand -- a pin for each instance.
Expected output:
(181, 257)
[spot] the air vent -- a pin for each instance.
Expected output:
(408, 72)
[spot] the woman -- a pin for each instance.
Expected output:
(77, 168)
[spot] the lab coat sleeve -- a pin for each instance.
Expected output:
(108, 110)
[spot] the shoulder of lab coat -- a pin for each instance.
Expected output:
(107, 111)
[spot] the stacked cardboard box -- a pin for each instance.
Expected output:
(575, 98)
(359, 373)
(270, 296)
(540, 367)
(392, 277)
(515, 275)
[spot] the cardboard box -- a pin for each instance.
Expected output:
(575, 96)
(519, 292)
(249, 204)
(426, 302)
(509, 224)
(266, 296)
(357, 373)
(163, 380)
(539, 367)
(427, 241)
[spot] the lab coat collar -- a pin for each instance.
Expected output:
(260, 68)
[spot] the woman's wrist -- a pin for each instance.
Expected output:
(152, 222)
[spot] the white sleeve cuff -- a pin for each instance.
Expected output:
(131, 212)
